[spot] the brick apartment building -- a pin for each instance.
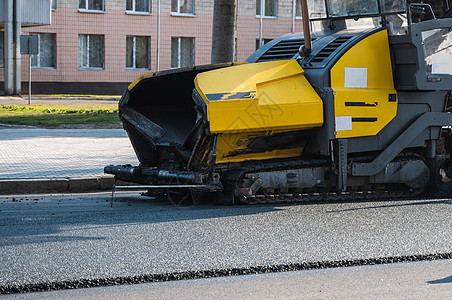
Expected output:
(102, 45)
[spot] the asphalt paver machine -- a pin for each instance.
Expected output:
(354, 107)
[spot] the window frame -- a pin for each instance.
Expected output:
(134, 68)
(179, 48)
(81, 68)
(265, 16)
(135, 12)
(298, 17)
(2, 47)
(265, 40)
(87, 10)
(181, 14)
(38, 56)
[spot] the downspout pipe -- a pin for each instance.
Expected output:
(157, 67)
(261, 16)
(8, 48)
(17, 56)
(307, 47)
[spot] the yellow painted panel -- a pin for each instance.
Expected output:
(233, 148)
(258, 97)
(363, 82)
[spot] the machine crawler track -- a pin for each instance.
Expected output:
(324, 189)
(328, 197)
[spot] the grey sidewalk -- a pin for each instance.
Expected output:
(36, 160)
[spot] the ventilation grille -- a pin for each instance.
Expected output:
(325, 53)
(282, 50)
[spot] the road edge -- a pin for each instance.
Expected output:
(57, 185)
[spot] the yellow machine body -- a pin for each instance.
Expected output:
(365, 100)
(259, 103)
(357, 112)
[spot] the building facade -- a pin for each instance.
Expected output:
(100, 46)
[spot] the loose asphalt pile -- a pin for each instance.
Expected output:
(114, 281)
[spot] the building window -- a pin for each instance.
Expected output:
(298, 8)
(137, 52)
(2, 61)
(54, 6)
(138, 6)
(183, 7)
(91, 4)
(316, 9)
(269, 8)
(46, 57)
(182, 52)
(91, 51)
(264, 41)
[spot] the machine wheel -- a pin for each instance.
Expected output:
(183, 197)
(177, 197)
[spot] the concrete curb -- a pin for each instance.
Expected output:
(57, 185)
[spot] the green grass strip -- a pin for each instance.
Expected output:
(54, 115)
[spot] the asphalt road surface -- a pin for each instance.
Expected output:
(56, 240)
(418, 280)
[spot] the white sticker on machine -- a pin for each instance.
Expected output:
(442, 64)
(355, 78)
(344, 123)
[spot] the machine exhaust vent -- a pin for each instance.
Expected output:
(285, 49)
(323, 55)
